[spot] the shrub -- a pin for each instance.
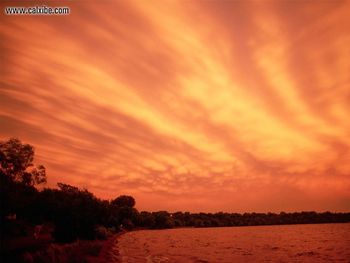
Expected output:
(69, 253)
(101, 232)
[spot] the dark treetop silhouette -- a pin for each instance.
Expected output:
(17, 163)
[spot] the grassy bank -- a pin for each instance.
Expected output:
(77, 252)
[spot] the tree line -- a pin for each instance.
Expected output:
(76, 213)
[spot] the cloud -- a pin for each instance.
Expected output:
(220, 106)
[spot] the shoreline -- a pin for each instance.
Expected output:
(109, 251)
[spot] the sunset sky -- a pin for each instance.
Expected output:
(186, 105)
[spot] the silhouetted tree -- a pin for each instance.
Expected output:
(123, 211)
(18, 175)
(124, 201)
(162, 219)
(75, 212)
(16, 161)
(146, 219)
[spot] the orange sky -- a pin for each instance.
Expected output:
(186, 105)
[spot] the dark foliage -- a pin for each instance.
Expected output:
(124, 201)
(75, 213)
(162, 219)
(16, 163)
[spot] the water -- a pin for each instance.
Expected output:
(291, 243)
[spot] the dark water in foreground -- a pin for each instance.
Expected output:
(291, 243)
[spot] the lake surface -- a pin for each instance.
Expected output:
(289, 243)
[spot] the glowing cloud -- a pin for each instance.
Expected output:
(186, 106)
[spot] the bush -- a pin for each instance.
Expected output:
(69, 253)
(102, 233)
